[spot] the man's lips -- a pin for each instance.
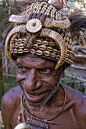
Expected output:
(37, 94)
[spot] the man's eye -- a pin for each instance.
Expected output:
(46, 71)
(22, 68)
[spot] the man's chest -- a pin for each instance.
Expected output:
(66, 120)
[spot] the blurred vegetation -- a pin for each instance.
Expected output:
(73, 83)
(4, 7)
(1, 78)
(9, 82)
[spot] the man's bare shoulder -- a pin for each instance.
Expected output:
(73, 95)
(12, 97)
(80, 111)
(9, 105)
(77, 101)
(75, 98)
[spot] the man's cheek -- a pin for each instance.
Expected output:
(20, 77)
(22, 82)
(50, 80)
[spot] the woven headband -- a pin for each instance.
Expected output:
(41, 30)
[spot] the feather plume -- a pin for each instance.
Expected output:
(78, 21)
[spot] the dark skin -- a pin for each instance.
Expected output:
(38, 80)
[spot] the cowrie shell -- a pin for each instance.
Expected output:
(38, 41)
(20, 45)
(35, 46)
(20, 50)
(15, 51)
(57, 57)
(26, 50)
(42, 47)
(32, 51)
(53, 55)
(55, 50)
(45, 42)
(46, 53)
(49, 48)
(39, 52)
(52, 43)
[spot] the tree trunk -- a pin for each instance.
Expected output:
(1, 77)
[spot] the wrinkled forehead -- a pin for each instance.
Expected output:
(31, 60)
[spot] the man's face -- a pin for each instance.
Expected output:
(37, 78)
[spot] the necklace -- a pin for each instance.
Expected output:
(36, 123)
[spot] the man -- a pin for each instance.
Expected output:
(41, 45)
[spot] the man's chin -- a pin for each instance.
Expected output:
(39, 99)
(38, 104)
(42, 101)
(36, 101)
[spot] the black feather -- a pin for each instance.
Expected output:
(78, 21)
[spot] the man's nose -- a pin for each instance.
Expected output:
(31, 80)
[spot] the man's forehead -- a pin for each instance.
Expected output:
(34, 60)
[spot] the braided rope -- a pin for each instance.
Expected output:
(44, 8)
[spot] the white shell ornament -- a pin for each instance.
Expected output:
(21, 126)
(34, 25)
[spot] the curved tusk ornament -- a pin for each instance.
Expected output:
(49, 23)
(22, 29)
(58, 38)
(18, 18)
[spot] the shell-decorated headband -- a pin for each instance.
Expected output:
(41, 30)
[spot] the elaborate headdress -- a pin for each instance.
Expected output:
(42, 30)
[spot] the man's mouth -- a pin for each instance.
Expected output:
(33, 95)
